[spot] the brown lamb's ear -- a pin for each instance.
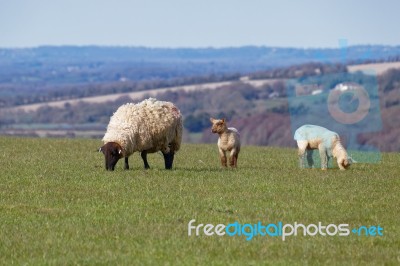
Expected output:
(223, 120)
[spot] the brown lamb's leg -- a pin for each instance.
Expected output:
(233, 158)
(224, 161)
(222, 156)
(232, 161)
(236, 158)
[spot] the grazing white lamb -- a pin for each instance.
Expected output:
(146, 127)
(310, 137)
(229, 140)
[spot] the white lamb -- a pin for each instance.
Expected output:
(146, 127)
(229, 140)
(310, 137)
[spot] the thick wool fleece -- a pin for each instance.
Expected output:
(149, 125)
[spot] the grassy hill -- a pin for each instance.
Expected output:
(59, 206)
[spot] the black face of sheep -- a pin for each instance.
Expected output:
(112, 153)
(169, 159)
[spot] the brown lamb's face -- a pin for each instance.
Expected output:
(218, 126)
(112, 153)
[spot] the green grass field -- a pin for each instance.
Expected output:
(59, 206)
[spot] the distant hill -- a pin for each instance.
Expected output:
(272, 56)
(41, 74)
(80, 64)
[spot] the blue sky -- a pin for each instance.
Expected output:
(202, 23)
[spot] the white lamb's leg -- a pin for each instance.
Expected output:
(323, 156)
(302, 144)
(310, 159)
(327, 161)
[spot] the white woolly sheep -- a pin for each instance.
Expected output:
(311, 137)
(229, 140)
(146, 127)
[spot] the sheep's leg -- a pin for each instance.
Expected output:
(222, 156)
(302, 144)
(323, 156)
(233, 158)
(236, 155)
(144, 158)
(126, 166)
(171, 160)
(301, 158)
(168, 159)
(310, 159)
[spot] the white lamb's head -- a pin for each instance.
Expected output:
(346, 162)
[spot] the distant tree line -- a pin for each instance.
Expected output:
(298, 71)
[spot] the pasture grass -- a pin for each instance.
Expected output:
(59, 206)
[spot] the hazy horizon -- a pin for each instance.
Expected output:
(186, 47)
(194, 24)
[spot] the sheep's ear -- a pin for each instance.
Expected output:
(223, 120)
(212, 120)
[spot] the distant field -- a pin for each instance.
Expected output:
(140, 94)
(59, 206)
(377, 68)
